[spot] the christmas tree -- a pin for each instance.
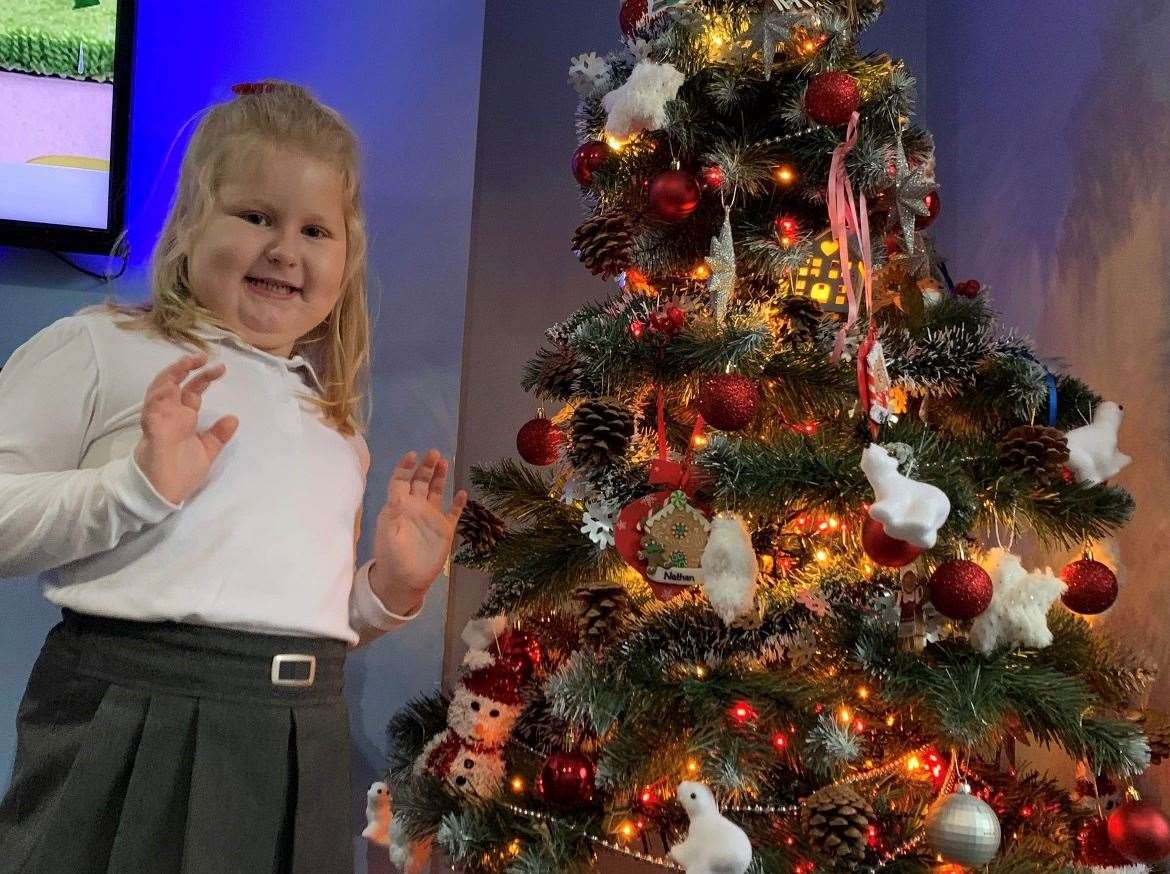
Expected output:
(754, 600)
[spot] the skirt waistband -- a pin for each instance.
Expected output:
(201, 660)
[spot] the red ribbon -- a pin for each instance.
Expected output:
(675, 474)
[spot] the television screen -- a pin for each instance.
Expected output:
(64, 103)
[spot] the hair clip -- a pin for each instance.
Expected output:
(254, 87)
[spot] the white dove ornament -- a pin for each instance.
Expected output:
(377, 830)
(714, 844)
(906, 509)
(1092, 449)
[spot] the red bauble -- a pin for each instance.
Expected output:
(787, 229)
(521, 651)
(1092, 587)
(969, 289)
(712, 177)
(832, 98)
(885, 550)
(677, 317)
(960, 589)
(934, 205)
(674, 195)
(1093, 847)
(637, 329)
(729, 401)
(1140, 832)
(588, 157)
(539, 441)
(566, 780)
(631, 13)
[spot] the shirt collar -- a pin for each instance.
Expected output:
(208, 331)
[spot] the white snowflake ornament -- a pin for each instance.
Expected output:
(1093, 455)
(597, 530)
(588, 74)
(714, 844)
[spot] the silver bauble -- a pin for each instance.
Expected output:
(963, 829)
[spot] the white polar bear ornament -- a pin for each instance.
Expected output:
(1092, 449)
(714, 844)
(377, 830)
(906, 509)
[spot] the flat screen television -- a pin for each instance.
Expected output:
(64, 118)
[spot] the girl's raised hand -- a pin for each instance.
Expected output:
(414, 532)
(172, 453)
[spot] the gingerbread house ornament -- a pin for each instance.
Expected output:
(820, 278)
(674, 540)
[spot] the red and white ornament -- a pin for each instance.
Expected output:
(539, 441)
(629, 531)
(464, 765)
(907, 509)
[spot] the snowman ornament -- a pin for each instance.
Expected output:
(714, 844)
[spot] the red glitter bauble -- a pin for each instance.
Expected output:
(631, 13)
(832, 98)
(539, 441)
(960, 589)
(933, 205)
(674, 195)
(1140, 832)
(1093, 847)
(885, 550)
(588, 157)
(1092, 587)
(729, 401)
(711, 177)
(566, 780)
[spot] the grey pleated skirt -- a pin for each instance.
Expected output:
(164, 748)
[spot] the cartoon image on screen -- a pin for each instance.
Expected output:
(56, 96)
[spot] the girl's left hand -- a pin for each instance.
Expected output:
(414, 534)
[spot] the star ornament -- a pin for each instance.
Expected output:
(774, 27)
(721, 284)
(1018, 614)
(910, 190)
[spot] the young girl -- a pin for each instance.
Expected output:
(193, 474)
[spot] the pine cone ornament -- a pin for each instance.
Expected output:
(559, 374)
(601, 433)
(802, 317)
(605, 244)
(836, 821)
(602, 608)
(480, 528)
(1034, 450)
(1156, 727)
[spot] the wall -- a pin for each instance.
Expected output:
(407, 77)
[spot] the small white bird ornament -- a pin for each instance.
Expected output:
(907, 509)
(377, 830)
(714, 844)
(1093, 455)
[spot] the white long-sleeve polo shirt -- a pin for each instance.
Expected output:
(266, 544)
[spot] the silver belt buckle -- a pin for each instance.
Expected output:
(293, 659)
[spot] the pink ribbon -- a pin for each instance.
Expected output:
(844, 216)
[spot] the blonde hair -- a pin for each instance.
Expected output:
(287, 114)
